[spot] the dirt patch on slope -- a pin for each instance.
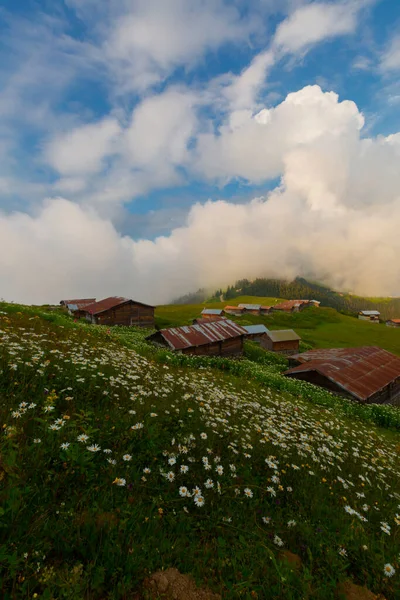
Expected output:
(172, 585)
(351, 591)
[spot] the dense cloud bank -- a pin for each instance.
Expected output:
(335, 215)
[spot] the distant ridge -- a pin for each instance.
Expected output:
(301, 288)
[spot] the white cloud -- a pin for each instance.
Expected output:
(144, 41)
(391, 58)
(83, 149)
(315, 22)
(160, 129)
(334, 217)
(256, 150)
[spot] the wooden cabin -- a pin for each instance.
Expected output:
(265, 310)
(250, 309)
(233, 310)
(369, 315)
(77, 307)
(207, 313)
(257, 333)
(292, 306)
(218, 338)
(393, 323)
(120, 311)
(367, 374)
(283, 341)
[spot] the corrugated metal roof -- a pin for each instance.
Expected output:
(190, 336)
(360, 371)
(370, 313)
(107, 303)
(254, 329)
(265, 307)
(397, 321)
(283, 335)
(233, 308)
(289, 304)
(212, 311)
(250, 306)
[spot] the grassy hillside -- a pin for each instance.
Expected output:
(301, 288)
(319, 327)
(115, 463)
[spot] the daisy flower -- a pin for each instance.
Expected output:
(82, 438)
(184, 469)
(248, 493)
(93, 448)
(219, 469)
(209, 484)
(146, 470)
(65, 445)
(388, 570)
(170, 476)
(278, 541)
(199, 500)
(183, 491)
(127, 457)
(120, 481)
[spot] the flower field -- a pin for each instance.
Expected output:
(114, 465)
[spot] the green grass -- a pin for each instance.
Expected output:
(319, 327)
(68, 530)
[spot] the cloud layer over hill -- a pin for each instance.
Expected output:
(334, 214)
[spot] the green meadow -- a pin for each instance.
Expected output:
(320, 327)
(118, 460)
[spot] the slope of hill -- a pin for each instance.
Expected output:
(114, 463)
(319, 327)
(301, 288)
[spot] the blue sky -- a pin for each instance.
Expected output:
(130, 113)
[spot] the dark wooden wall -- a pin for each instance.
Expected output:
(289, 347)
(127, 314)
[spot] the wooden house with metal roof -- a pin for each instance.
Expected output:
(218, 338)
(117, 310)
(367, 374)
(393, 323)
(283, 341)
(369, 315)
(251, 309)
(212, 312)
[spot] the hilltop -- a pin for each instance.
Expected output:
(119, 460)
(299, 288)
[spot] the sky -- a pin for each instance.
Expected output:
(149, 148)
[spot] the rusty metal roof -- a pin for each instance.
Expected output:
(233, 308)
(397, 321)
(265, 307)
(212, 311)
(289, 304)
(107, 303)
(190, 336)
(361, 371)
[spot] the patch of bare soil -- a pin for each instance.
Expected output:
(294, 560)
(172, 585)
(351, 591)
